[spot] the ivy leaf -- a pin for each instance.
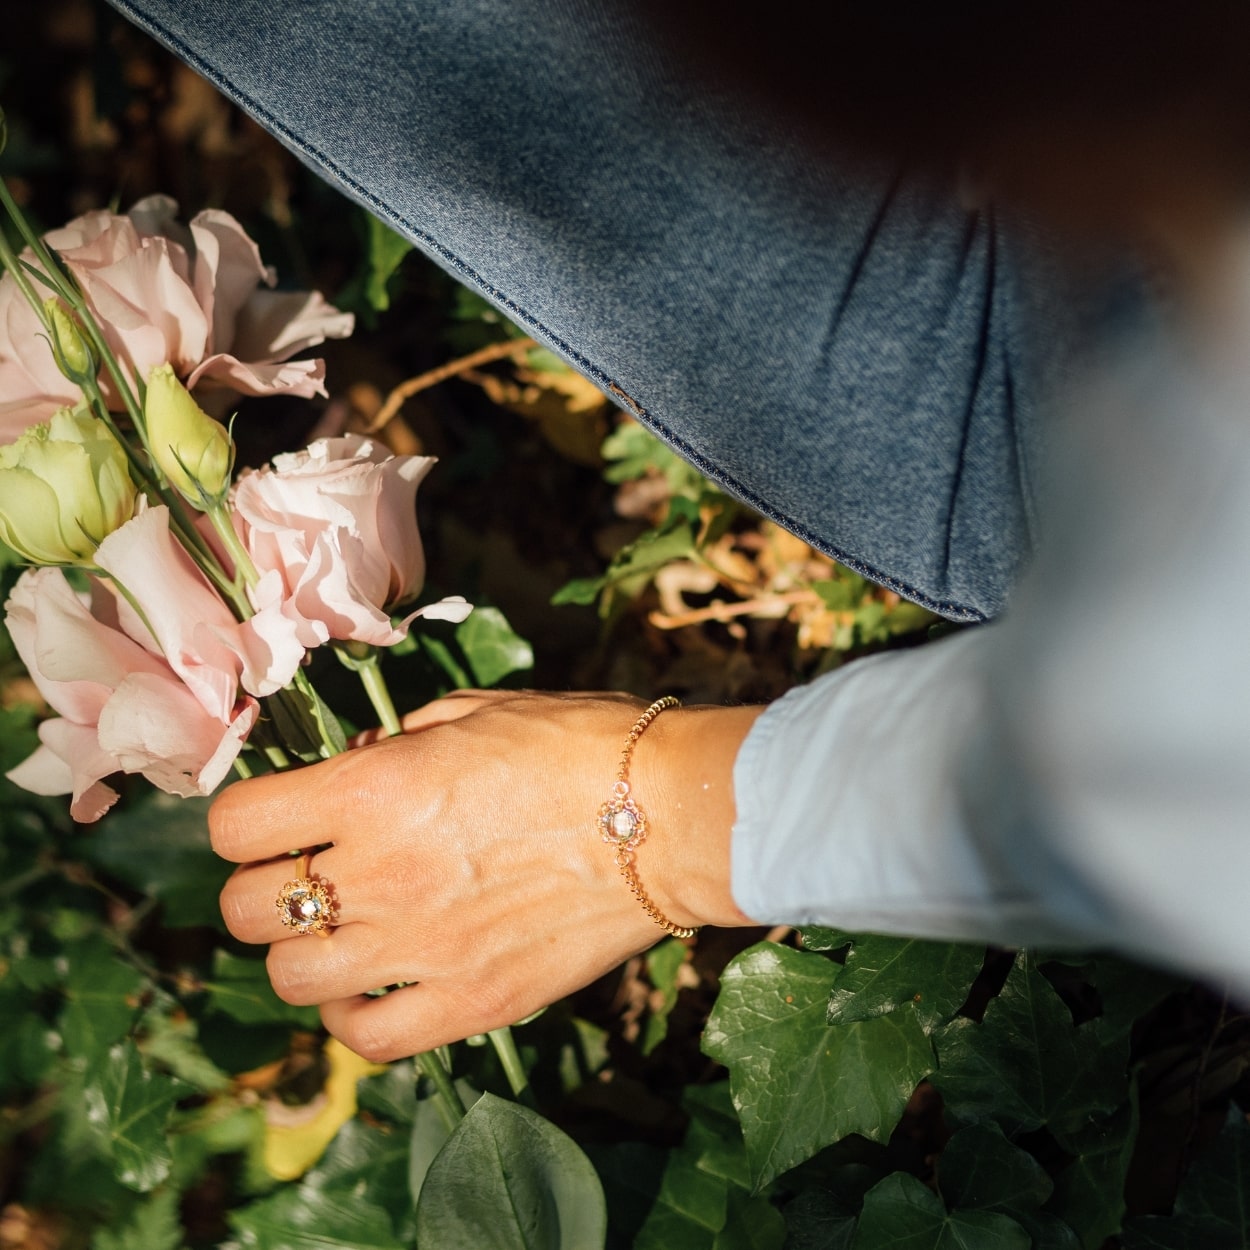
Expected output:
(159, 846)
(508, 1178)
(306, 1217)
(819, 938)
(981, 1170)
(632, 567)
(1127, 992)
(155, 1224)
(901, 1213)
(663, 963)
(799, 1084)
(819, 1220)
(1089, 1191)
(714, 1136)
(127, 1106)
(240, 989)
(689, 1209)
(102, 996)
(493, 648)
(1212, 1209)
(884, 973)
(1048, 1231)
(1027, 1064)
(172, 1042)
(751, 1223)
(385, 251)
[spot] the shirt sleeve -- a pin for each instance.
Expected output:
(1075, 774)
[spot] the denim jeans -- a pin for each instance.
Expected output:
(845, 348)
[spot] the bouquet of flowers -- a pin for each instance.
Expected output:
(169, 608)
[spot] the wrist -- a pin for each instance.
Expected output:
(683, 770)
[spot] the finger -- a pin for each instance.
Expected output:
(417, 1018)
(450, 707)
(349, 962)
(249, 899)
(269, 816)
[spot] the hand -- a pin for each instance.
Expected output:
(466, 862)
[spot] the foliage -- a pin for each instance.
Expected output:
(852, 1092)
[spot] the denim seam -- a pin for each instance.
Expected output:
(952, 611)
(983, 339)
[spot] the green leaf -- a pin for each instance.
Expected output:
(901, 1213)
(1048, 1231)
(1127, 992)
(582, 591)
(369, 1162)
(1027, 1065)
(1089, 1191)
(171, 1041)
(981, 1170)
(818, 938)
(714, 1135)
(509, 1179)
(492, 647)
(127, 1106)
(159, 846)
(1212, 1209)
(385, 251)
(689, 1209)
(428, 1134)
(240, 989)
(633, 567)
(843, 592)
(797, 1082)
(818, 1220)
(884, 973)
(153, 1225)
(102, 996)
(18, 735)
(306, 1217)
(663, 962)
(751, 1224)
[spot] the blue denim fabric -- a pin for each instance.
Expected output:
(846, 349)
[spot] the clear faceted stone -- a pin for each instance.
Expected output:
(303, 907)
(624, 823)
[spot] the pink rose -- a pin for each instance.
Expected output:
(186, 621)
(339, 522)
(122, 709)
(195, 297)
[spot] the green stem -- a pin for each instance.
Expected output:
(243, 768)
(244, 569)
(505, 1047)
(370, 670)
(450, 1104)
(278, 758)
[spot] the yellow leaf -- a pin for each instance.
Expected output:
(296, 1137)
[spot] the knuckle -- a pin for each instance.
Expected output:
(371, 1038)
(235, 914)
(226, 831)
(294, 980)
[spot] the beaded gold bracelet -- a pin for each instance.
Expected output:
(623, 824)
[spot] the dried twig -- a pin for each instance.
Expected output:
(423, 381)
(728, 611)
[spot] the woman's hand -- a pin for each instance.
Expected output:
(466, 861)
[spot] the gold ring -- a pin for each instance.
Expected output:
(306, 904)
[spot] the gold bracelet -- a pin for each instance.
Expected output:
(623, 823)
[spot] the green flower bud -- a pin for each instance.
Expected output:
(192, 450)
(64, 487)
(73, 354)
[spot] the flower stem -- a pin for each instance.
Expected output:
(505, 1048)
(370, 669)
(450, 1104)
